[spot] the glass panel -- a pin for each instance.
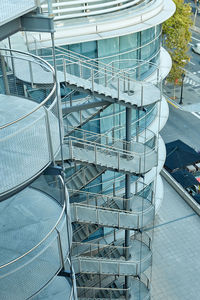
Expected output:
(127, 44)
(107, 48)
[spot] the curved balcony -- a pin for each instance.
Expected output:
(76, 9)
(109, 259)
(109, 211)
(29, 130)
(36, 231)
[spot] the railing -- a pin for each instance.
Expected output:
(96, 249)
(94, 292)
(109, 144)
(110, 213)
(108, 259)
(79, 65)
(106, 202)
(142, 285)
(75, 9)
(125, 80)
(118, 133)
(30, 120)
(28, 270)
(62, 52)
(136, 125)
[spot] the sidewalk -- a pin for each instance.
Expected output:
(191, 96)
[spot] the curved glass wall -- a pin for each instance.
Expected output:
(143, 45)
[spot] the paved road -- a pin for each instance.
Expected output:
(182, 125)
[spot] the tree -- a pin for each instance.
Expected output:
(177, 35)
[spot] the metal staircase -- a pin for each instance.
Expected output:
(97, 259)
(138, 161)
(109, 211)
(107, 81)
(83, 177)
(75, 119)
(109, 259)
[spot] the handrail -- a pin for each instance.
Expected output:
(91, 8)
(93, 247)
(99, 59)
(106, 199)
(41, 242)
(72, 57)
(120, 127)
(96, 146)
(50, 94)
(116, 131)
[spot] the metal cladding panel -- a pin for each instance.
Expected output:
(109, 267)
(109, 218)
(84, 214)
(128, 220)
(128, 268)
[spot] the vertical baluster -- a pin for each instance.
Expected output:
(92, 78)
(95, 154)
(142, 95)
(64, 69)
(70, 99)
(105, 76)
(128, 84)
(124, 81)
(118, 88)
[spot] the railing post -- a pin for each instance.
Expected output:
(62, 261)
(64, 69)
(92, 77)
(80, 115)
(31, 73)
(124, 81)
(118, 159)
(114, 189)
(11, 55)
(80, 68)
(142, 95)
(5, 78)
(105, 74)
(128, 84)
(70, 149)
(70, 97)
(114, 232)
(158, 75)
(118, 88)
(112, 68)
(49, 139)
(84, 179)
(95, 154)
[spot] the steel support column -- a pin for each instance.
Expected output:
(127, 191)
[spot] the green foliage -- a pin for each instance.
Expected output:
(176, 36)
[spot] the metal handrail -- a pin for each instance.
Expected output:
(99, 147)
(94, 247)
(118, 130)
(92, 8)
(50, 94)
(114, 115)
(75, 58)
(107, 199)
(41, 242)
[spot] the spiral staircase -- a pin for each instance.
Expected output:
(99, 260)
